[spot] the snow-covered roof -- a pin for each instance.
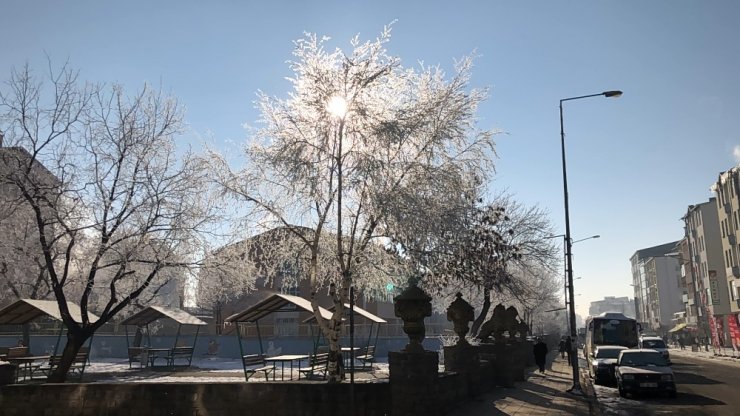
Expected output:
(152, 313)
(23, 311)
(358, 310)
(275, 303)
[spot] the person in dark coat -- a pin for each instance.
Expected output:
(540, 354)
(569, 349)
(561, 347)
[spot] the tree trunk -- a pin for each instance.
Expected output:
(75, 339)
(483, 313)
(335, 370)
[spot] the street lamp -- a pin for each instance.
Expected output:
(576, 388)
(587, 238)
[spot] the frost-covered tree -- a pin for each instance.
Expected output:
(124, 208)
(498, 250)
(358, 138)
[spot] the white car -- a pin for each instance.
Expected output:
(603, 361)
(641, 371)
(655, 343)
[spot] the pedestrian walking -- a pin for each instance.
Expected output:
(569, 349)
(561, 347)
(540, 354)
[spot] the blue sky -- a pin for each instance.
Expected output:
(634, 163)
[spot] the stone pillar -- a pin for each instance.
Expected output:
(499, 368)
(413, 371)
(462, 358)
(414, 383)
(519, 361)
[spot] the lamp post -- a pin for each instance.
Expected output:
(576, 388)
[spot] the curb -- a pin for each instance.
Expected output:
(590, 394)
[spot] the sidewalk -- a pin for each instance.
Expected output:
(724, 354)
(540, 395)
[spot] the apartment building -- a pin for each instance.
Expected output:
(621, 304)
(694, 315)
(727, 203)
(708, 267)
(658, 286)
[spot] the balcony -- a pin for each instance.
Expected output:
(728, 208)
(731, 238)
(736, 271)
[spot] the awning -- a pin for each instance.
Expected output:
(369, 316)
(277, 302)
(677, 328)
(24, 311)
(152, 313)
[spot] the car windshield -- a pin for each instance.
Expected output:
(608, 353)
(643, 359)
(650, 343)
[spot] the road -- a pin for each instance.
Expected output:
(705, 387)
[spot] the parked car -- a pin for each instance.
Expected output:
(603, 361)
(644, 370)
(654, 343)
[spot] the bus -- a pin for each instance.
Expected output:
(610, 328)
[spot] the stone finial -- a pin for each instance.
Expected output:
(412, 306)
(460, 313)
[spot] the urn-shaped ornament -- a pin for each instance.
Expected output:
(412, 306)
(460, 313)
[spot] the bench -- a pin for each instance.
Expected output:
(137, 355)
(317, 365)
(77, 368)
(184, 353)
(255, 363)
(367, 357)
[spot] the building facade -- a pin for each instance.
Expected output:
(708, 267)
(657, 285)
(727, 203)
(623, 305)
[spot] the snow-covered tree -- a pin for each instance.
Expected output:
(358, 139)
(497, 251)
(124, 208)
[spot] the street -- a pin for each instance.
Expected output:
(705, 387)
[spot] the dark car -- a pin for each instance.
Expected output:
(644, 370)
(603, 361)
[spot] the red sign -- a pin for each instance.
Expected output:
(733, 324)
(715, 325)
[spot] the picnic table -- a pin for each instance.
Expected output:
(154, 353)
(289, 358)
(348, 354)
(27, 365)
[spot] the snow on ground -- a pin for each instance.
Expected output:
(210, 370)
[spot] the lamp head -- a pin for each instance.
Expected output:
(615, 93)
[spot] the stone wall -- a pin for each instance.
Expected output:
(216, 399)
